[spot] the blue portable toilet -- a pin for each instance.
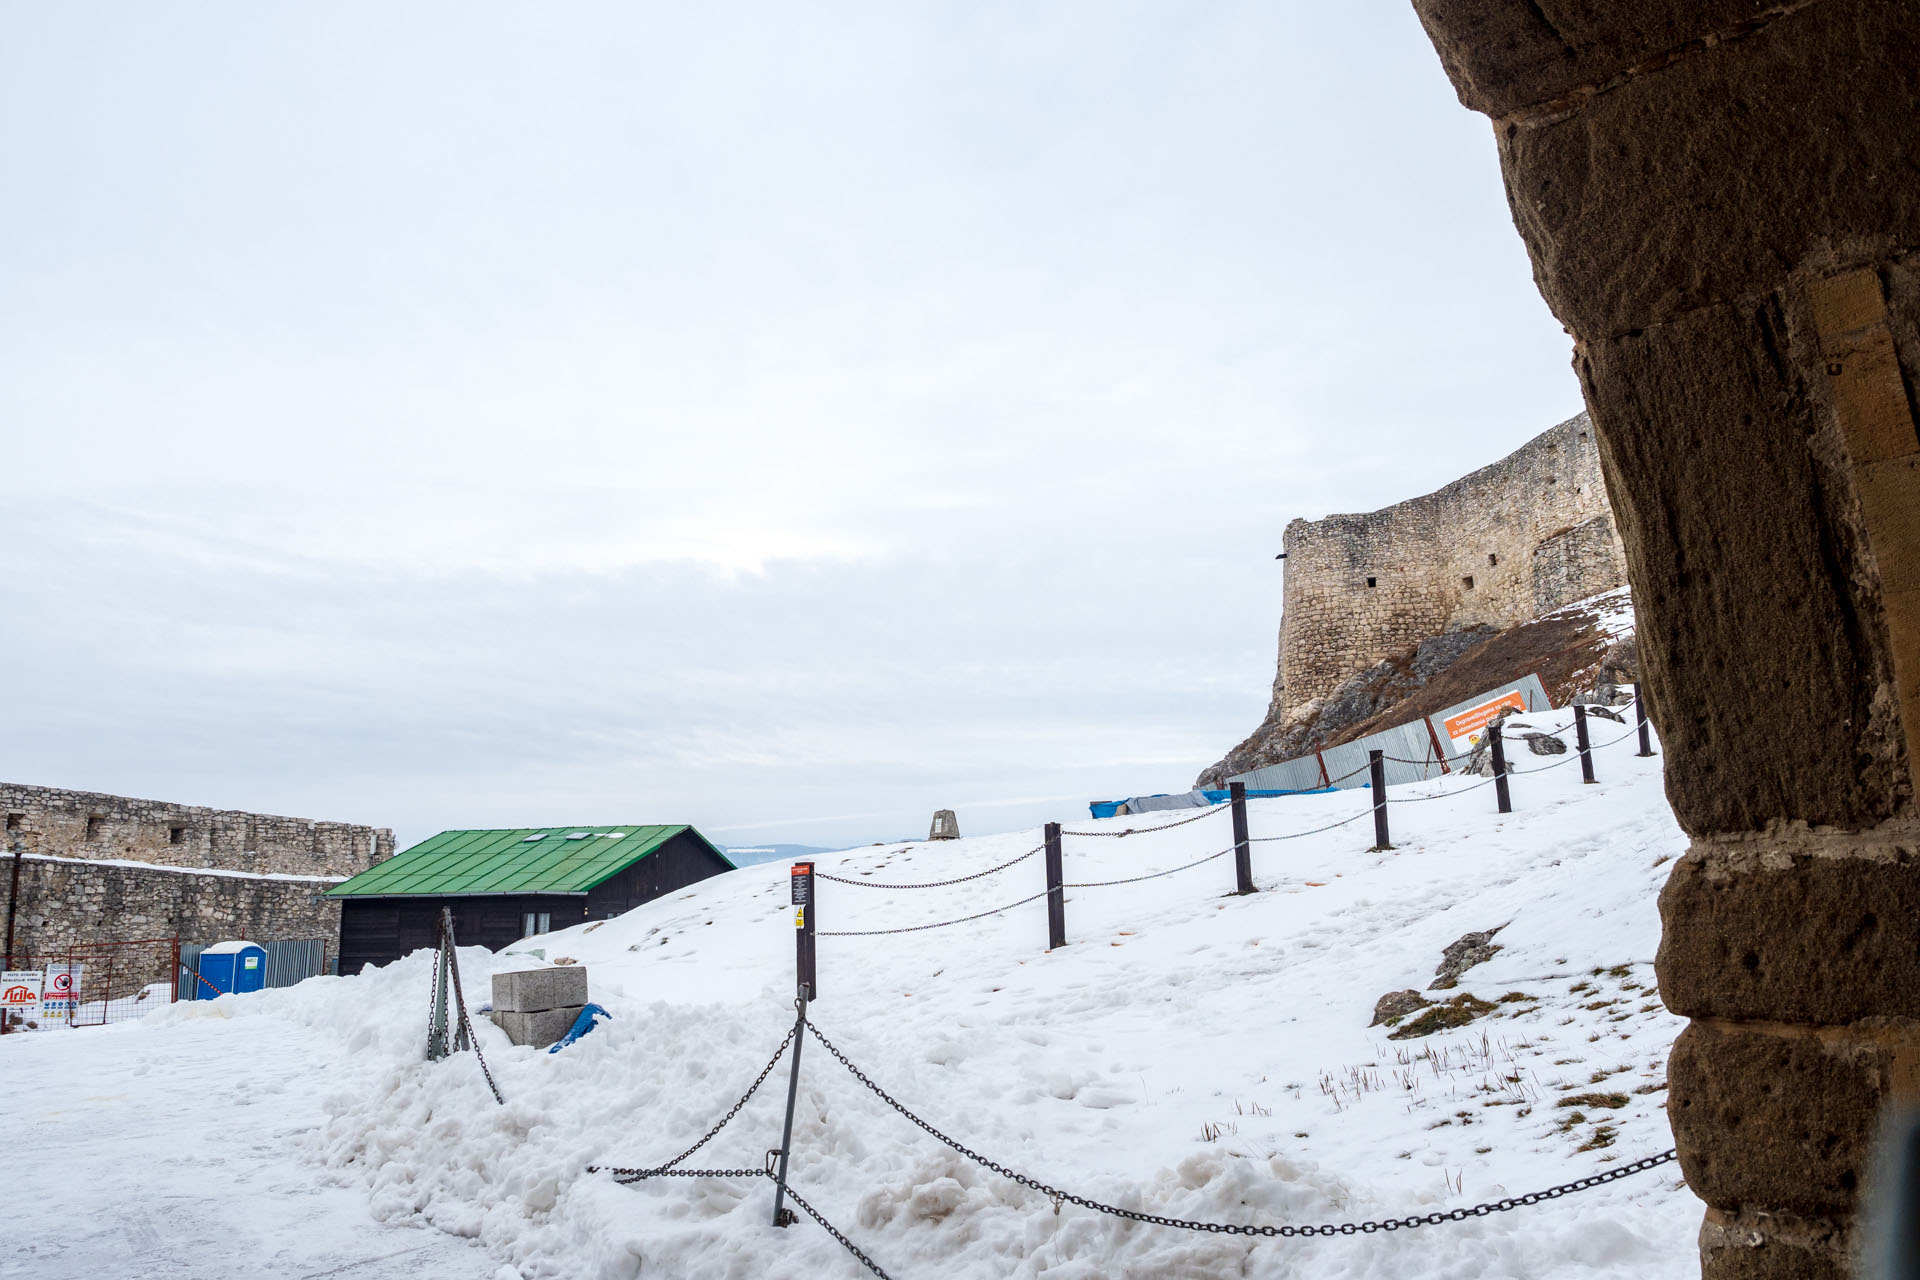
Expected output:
(229, 967)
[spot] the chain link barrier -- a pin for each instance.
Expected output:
(1208, 812)
(460, 999)
(1151, 875)
(1059, 1196)
(668, 1170)
(930, 884)
(937, 924)
(1314, 831)
(835, 1232)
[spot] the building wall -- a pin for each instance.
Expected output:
(1500, 546)
(381, 930)
(87, 824)
(65, 903)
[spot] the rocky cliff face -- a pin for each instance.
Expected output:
(1377, 607)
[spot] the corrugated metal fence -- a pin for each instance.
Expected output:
(1415, 752)
(289, 961)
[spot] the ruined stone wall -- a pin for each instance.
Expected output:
(1718, 199)
(65, 902)
(1498, 547)
(87, 824)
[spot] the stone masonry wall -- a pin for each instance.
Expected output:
(87, 824)
(1718, 197)
(65, 903)
(1498, 547)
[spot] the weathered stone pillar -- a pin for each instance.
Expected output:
(1722, 203)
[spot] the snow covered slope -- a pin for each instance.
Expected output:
(1188, 1053)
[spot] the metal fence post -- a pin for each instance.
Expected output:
(1377, 777)
(437, 1033)
(1580, 739)
(1242, 847)
(1500, 768)
(1056, 891)
(805, 982)
(1640, 715)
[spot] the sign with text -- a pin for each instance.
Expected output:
(20, 994)
(1465, 726)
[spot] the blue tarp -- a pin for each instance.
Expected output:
(591, 1016)
(1111, 808)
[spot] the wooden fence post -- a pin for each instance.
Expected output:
(1500, 768)
(1580, 740)
(1377, 776)
(1056, 891)
(1242, 847)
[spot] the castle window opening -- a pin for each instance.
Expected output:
(14, 820)
(1372, 582)
(176, 834)
(1492, 559)
(1468, 582)
(93, 825)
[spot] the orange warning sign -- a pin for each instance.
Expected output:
(1476, 718)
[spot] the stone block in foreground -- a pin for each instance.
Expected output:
(537, 990)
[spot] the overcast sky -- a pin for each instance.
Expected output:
(785, 419)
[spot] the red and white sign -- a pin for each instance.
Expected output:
(20, 994)
(61, 993)
(1464, 727)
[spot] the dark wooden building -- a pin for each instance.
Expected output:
(507, 885)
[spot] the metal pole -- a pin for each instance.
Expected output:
(1377, 776)
(437, 1034)
(1500, 768)
(1056, 891)
(1640, 714)
(1580, 739)
(783, 1216)
(12, 899)
(1242, 847)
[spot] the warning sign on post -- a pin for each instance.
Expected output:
(20, 994)
(61, 993)
(1461, 726)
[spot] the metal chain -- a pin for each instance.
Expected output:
(1151, 875)
(931, 884)
(1574, 754)
(1364, 813)
(1444, 795)
(1208, 812)
(834, 1231)
(637, 1175)
(1247, 1229)
(792, 1195)
(938, 924)
(433, 999)
(453, 969)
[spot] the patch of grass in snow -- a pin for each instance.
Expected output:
(1605, 1101)
(1457, 1012)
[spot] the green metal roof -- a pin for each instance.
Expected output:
(526, 860)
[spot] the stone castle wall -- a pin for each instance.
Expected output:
(66, 903)
(1498, 547)
(99, 868)
(87, 824)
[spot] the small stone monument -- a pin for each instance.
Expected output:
(945, 826)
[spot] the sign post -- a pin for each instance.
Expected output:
(806, 987)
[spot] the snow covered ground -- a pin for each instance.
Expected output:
(1188, 1053)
